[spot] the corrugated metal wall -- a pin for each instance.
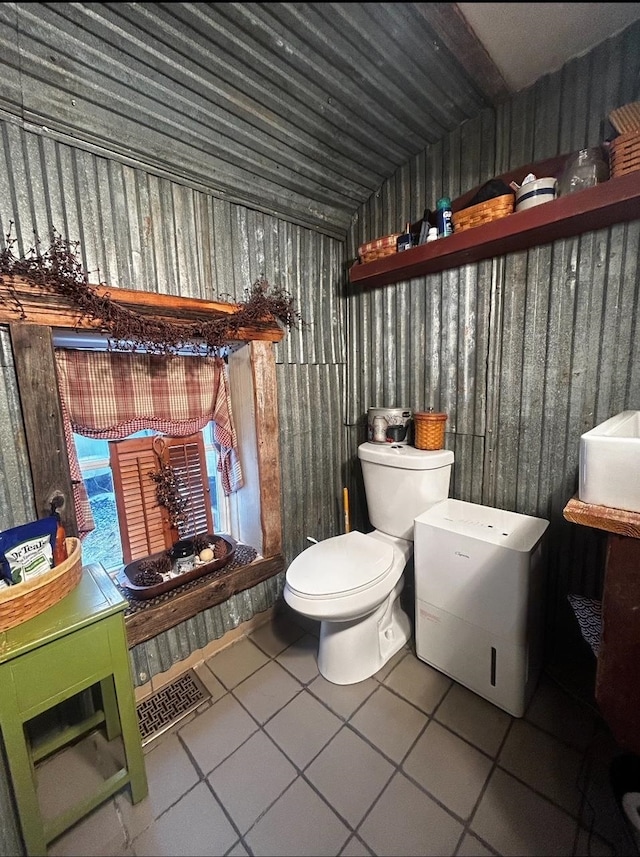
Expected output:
(487, 343)
(163, 651)
(142, 232)
(525, 352)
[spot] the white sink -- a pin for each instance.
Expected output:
(610, 463)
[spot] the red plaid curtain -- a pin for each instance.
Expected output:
(110, 395)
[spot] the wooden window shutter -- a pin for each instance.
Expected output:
(186, 456)
(144, 525)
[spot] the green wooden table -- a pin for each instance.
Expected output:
(77, 644)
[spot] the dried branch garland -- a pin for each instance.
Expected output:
(169, 493)
(58, 269)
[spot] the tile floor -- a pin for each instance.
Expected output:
(280, 762)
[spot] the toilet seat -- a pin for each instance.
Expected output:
(345, 564)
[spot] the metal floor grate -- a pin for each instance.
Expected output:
(170, 704)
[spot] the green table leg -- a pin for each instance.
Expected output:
(128, 715)
(22, 777)
(110, 708)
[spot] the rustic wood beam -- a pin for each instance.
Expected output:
(453, 31)
(619, 521)
(150, 622)
(27, 302)
(35, 367)
(267, 436)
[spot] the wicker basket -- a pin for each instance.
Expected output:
(379, 248)
(26, 600)
(483, 212)
(626, 119)
(372, 255)
(624, 154)
(428, 429)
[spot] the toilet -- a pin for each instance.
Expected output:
(352, 583)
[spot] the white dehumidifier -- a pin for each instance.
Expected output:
(479, 585)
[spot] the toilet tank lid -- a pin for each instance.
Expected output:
(405, 457)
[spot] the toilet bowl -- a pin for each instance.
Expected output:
(352, 584)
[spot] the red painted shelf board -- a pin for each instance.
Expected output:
(614, 201)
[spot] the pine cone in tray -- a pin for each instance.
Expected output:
(151, 572)
(200, 543)
(220, 549)
(216, 543)
(147, 577)
(164, 563)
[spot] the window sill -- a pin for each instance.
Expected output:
(155, 619)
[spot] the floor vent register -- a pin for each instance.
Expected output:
(171, 703)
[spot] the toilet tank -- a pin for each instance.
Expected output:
(402, 482)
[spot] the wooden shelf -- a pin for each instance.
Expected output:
(613, 201)
(616, 521)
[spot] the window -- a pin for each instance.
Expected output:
(255, 508)
(108, 395)
(129, 522)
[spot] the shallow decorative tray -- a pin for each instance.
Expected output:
(128, 573)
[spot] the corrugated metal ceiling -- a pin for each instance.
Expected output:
(297, 109)
(300, 110)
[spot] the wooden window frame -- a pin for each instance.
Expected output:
(34, 361)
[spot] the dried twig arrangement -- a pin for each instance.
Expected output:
(58, 269)
(169, 493)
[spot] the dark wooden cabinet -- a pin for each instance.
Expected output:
(618, 671)
(617, 688)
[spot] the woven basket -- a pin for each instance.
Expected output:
(626, 119)
(428, 430)
(483, 212)
(372, 255)
(624, 154)
(32, 597)
(379, 248)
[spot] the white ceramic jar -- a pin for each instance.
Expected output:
(536, 192)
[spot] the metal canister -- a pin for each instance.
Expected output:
(388, 425)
